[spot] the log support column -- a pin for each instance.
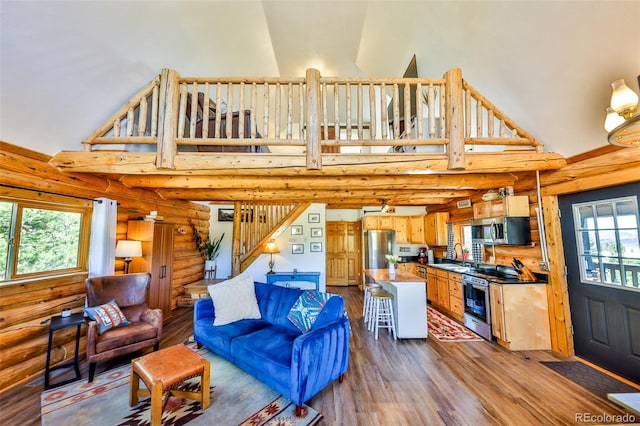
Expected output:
(314, 149)
(168, 119)
(454, 115)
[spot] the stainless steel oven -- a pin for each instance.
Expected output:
(477, 307)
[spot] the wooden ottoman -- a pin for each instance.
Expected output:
(161, 371)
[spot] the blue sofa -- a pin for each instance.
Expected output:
(273, 349)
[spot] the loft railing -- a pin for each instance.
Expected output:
(311, 116)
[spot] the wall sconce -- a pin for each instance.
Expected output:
(271, 248)
(622, 122)
(385, 206)
(128, 249)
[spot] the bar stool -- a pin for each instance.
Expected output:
(367, 299)
(382, 312)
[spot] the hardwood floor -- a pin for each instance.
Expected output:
(406, 382)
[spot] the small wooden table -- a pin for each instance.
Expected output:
(57, 323)
(162, 370)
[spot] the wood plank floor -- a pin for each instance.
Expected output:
(406, 382)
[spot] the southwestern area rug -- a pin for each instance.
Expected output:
(237, 398)
(445, 329)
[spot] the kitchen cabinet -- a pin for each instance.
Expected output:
(507, 206)
(370, 222)
(435, 229)
(519, 316)
(416, 230)
(157, 259)
(442, 296)
(407, 267)
(401, 226)
(432, 286)
(456, 301)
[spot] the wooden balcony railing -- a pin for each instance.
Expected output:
(312, 116)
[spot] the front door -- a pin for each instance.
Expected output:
(602, 252)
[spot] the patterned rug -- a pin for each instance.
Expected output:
(445, 329)
(588, 377)
(237, 398)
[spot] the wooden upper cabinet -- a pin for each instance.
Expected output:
(435, 229)
(416, 230)
(387, 222)
(507, 206)
(370, 222)
(401, 225)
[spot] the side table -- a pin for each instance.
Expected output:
(58, 323)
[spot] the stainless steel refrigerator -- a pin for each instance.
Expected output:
(377, 243)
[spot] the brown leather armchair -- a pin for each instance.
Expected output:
(145, 330)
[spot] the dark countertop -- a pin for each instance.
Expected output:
(493, 273)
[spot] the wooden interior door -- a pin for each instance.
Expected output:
(343, 253)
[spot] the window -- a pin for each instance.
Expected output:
(38, 238)
(608, 242)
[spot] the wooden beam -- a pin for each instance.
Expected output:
(314, 148)
(295, 165)
(415, 182)
(167, 131)
(454, 114)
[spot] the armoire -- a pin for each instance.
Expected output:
(157, 259)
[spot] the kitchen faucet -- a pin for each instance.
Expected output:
(464, 262)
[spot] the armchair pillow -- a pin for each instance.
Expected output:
(107, 316)
(234, 300)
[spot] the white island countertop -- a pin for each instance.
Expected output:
(409, 301)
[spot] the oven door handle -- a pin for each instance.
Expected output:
(480, 287)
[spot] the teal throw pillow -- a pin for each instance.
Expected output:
(306, 309)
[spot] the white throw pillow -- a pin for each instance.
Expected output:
(234, 300)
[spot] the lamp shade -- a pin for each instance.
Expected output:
(624, 101)
(128, 248)
(271, 247)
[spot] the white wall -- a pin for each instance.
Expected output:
(285, 260)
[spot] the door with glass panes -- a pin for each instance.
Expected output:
(600, 231)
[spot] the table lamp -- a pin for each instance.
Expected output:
(128, 249)
(271, 248)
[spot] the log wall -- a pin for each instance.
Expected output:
(26, 307)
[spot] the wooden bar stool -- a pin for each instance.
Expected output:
(367, 299)
(382, 312)
(163, 370)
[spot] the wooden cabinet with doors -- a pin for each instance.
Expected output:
(507, 206)
(519, 316)
(370, 222)
(157, 259)
(432, 286)
(416, 230)
(435, 229)
(456, 298)
(442, 296)
(343, 260)
(401, 226)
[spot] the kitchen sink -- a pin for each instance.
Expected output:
(453, 267)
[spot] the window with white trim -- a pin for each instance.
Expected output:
(608, 242)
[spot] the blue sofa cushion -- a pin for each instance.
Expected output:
(275, 302)
(307, 308)
(220, 340)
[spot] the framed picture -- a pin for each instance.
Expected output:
(315, 246)
(297, 248)
(225, 215)
(296, 229)
(314, 217)
(316, 232)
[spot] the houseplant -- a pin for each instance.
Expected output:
(211, 250)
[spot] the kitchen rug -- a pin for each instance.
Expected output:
(237, 398)
(445, 329)
(588, 377)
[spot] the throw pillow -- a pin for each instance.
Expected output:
(306, 309)
(234, 300)
(107, 316)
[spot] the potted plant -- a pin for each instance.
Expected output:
(211, 250)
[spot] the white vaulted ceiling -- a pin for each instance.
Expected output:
(66, 66)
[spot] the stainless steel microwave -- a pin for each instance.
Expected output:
(504, 230)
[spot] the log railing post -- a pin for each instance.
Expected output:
(314, 149)
(168, 119)
(454, 116)
(236, 244)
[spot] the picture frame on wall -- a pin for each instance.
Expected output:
(297, 248)
(296, 229)
(315, 246)
(316, 232)
(314, 217)
(225, 215)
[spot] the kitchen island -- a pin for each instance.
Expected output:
(409, 301)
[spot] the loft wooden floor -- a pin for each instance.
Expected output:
(406, 382)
